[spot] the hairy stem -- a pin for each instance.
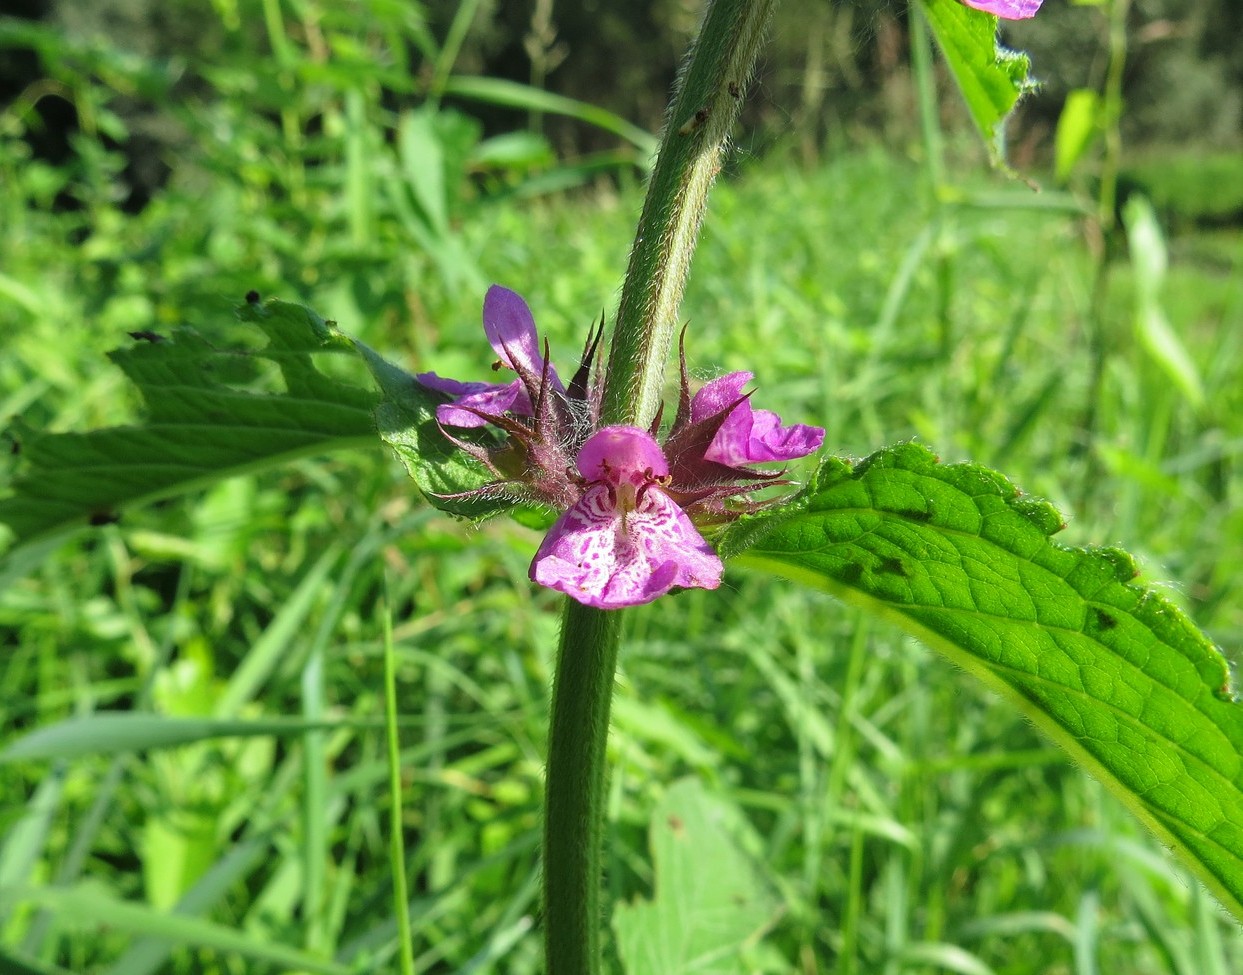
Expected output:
(574, 810)
(710, 91)
(704, 109)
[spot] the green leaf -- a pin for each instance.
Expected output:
(710, 898)
(202, 423)
(14, 963)
(406, 419)
(1149, 262)
(990, 77)
(114, 733)
(1077, 126)
(500, 91)
(93, 907)
(1112, 672)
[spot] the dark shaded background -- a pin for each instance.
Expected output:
(834, 75)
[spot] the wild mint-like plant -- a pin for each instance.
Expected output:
(639, 499)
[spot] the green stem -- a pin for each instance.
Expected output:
(705, 107)
(710, 91)
(1111, 111)
(574, 811)
(396, 847)
(1106, 229)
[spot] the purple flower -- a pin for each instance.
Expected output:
(625, 541)
(746, 435)
(546, 423)
(510, 328)
(715, 434)
(1008, 9)
(626, 533)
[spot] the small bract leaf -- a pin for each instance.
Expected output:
(406, 419)
(990, 77)
(1112, 672)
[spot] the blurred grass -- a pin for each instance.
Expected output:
(910, 823)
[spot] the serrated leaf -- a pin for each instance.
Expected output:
(201, 424)
(406, 419)
(990, 77)
(709, 898)
(1112, 672)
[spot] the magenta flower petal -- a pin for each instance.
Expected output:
(494, 399)
(719, 395)
(510, 327)
(748, 435)
(1008, 9)
(604, 556)
(615, 454)
(625, 541)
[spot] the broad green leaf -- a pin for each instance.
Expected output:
(1149, 262)
(990, 77)
(406, 418)
(1112, 672)
(1077, 126)
(709, 899)
(203, 423)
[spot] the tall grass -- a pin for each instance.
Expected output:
(908, 822)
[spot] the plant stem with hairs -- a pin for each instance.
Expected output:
(705, 107)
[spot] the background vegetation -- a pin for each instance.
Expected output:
(340, 155)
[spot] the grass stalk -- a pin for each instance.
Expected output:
(397, 852)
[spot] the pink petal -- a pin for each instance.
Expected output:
(1009, 9)
(718, 395)
(494, 398)
(510, 327)
(750, 436)
(600, 558)
(621, 453)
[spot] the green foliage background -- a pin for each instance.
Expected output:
(891, 815)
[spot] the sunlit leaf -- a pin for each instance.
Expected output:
(709, 898)
(406, 418)
(1077, 126)
(1149, 261)
(990, 77)
(111, 733)
(1112, 672)
(204, 421)
(501, 91)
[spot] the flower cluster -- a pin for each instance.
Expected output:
(629, 505)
